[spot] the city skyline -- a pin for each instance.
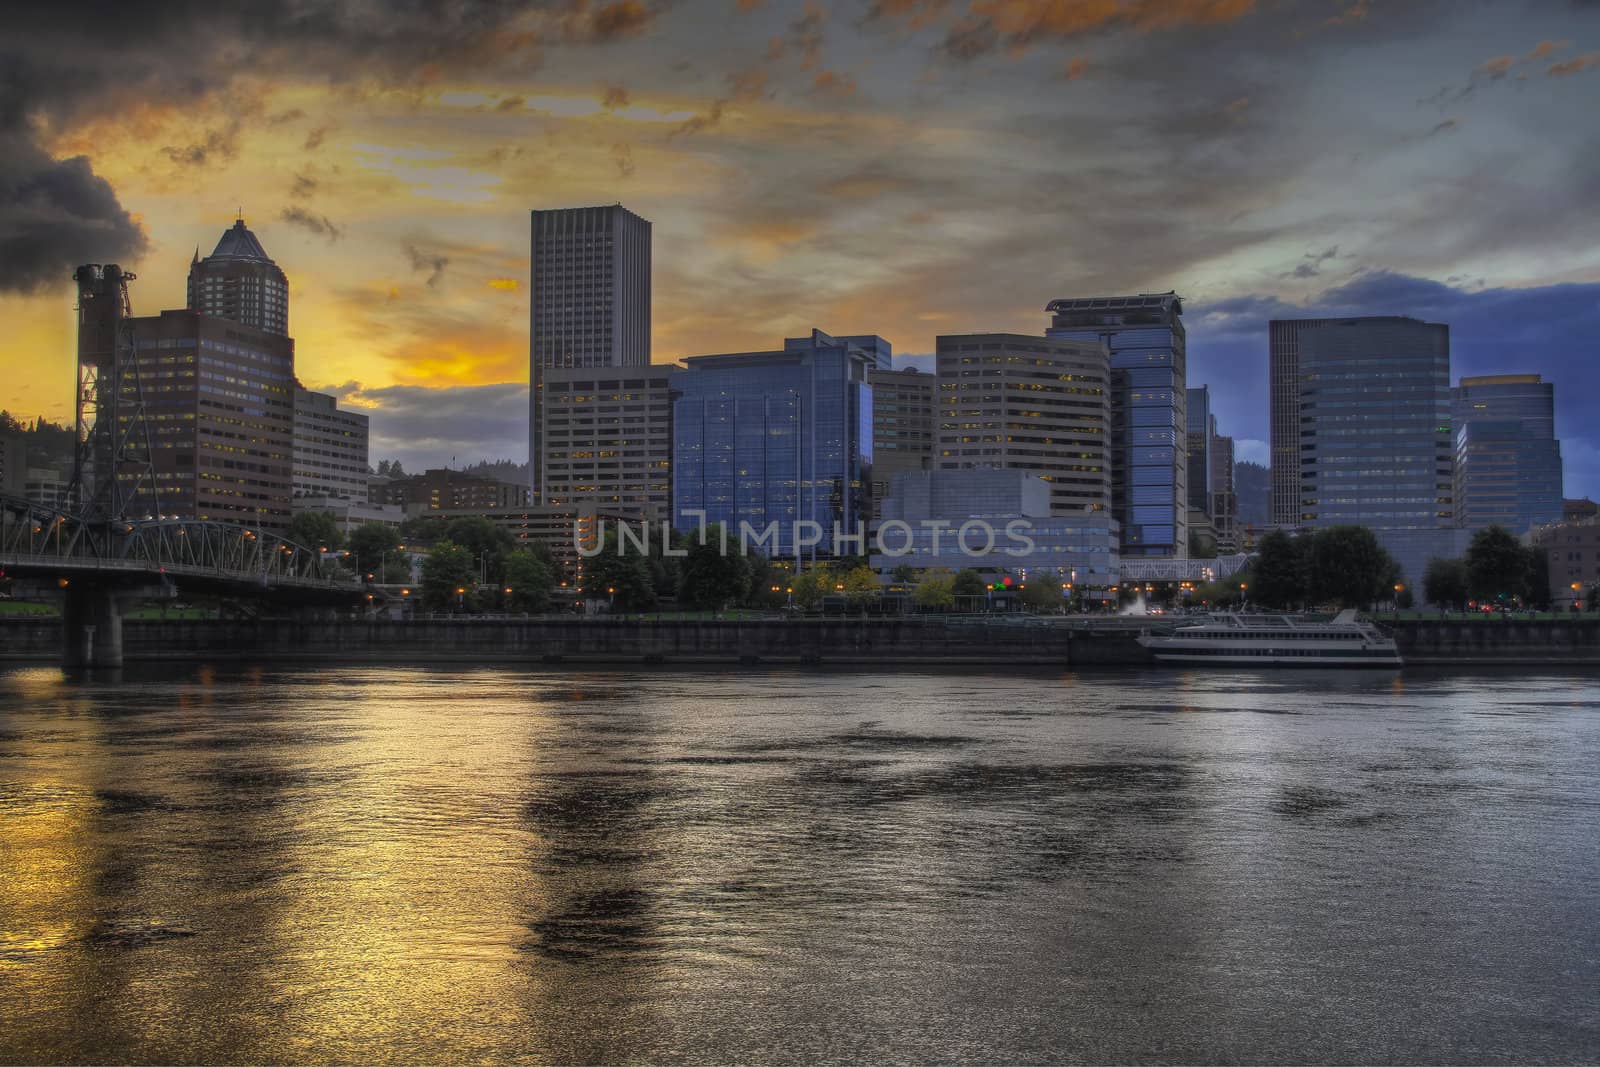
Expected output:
(864, 168)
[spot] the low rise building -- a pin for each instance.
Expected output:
(442, 489)
(993, 520)
(351, 514)
(1573, 550)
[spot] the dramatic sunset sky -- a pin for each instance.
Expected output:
(904, 167)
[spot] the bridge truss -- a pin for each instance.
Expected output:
(35, 537)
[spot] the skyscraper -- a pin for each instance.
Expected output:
(1375, 441)
(1037, 404)
(239, 281)
(589, 300)
(1508, 461)
(219, 401)
(776, 437)
(1283, 359)
(1149, 465)
(1224, 503)
(1202, 426)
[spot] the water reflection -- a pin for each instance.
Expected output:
(400, 865)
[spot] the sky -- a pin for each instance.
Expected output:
(900, 167)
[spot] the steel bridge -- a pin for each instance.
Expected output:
(97, 566)
(37, 540)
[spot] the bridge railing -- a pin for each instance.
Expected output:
(39, 534)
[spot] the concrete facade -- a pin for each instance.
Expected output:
(330, 448)
(240, 282)
(589, 300)
(607, 438)
(1035, 404)
(904, 427)
(219, 401)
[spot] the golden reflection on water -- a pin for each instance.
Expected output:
(402, 865)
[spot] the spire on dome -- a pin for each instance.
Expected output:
(239, 243)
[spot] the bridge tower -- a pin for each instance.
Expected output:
(113, 474)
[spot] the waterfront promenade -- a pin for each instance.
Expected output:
(914, 641)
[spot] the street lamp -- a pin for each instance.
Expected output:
(461, 593)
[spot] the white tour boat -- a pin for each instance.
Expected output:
(1276, 641)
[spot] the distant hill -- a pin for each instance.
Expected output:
(1252, 487)
(49, 444)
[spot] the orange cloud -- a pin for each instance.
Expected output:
(831, 83)
(1029, 19)
(1496, 67)
(1544, 49)
(1574, 65)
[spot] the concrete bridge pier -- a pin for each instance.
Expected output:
(91, 621)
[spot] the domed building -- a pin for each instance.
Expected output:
(239, 281)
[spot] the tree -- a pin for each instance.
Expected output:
(811, 585)
(530, 575)
(861, 585)
(486, 541)
(447, 569)
(619, 577)
(715, 575)
(1497, 566)
(968, 582)
(936, 591)
(423, 530)
(316, 530)
(1446, 583)
(904, 574)
(1350, 567)
(1537, 593)
(372, 546)
(1280, 578)
(1041, 593)
(1202, 545)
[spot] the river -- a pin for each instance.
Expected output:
(379, 864)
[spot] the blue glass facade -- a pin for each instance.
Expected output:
(776, 437)
(1508, 461)
(1149, 463)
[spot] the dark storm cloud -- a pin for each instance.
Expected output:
(1547, 330)
(218, 146)
(320, 225)
(427, 427)
(432, 263)
(61, 64)
(54, 215)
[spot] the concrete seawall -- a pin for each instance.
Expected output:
(804, 642)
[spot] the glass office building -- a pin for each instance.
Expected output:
(777, 437)
(1149, 462)
(1375, 442)
(1508, 461)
